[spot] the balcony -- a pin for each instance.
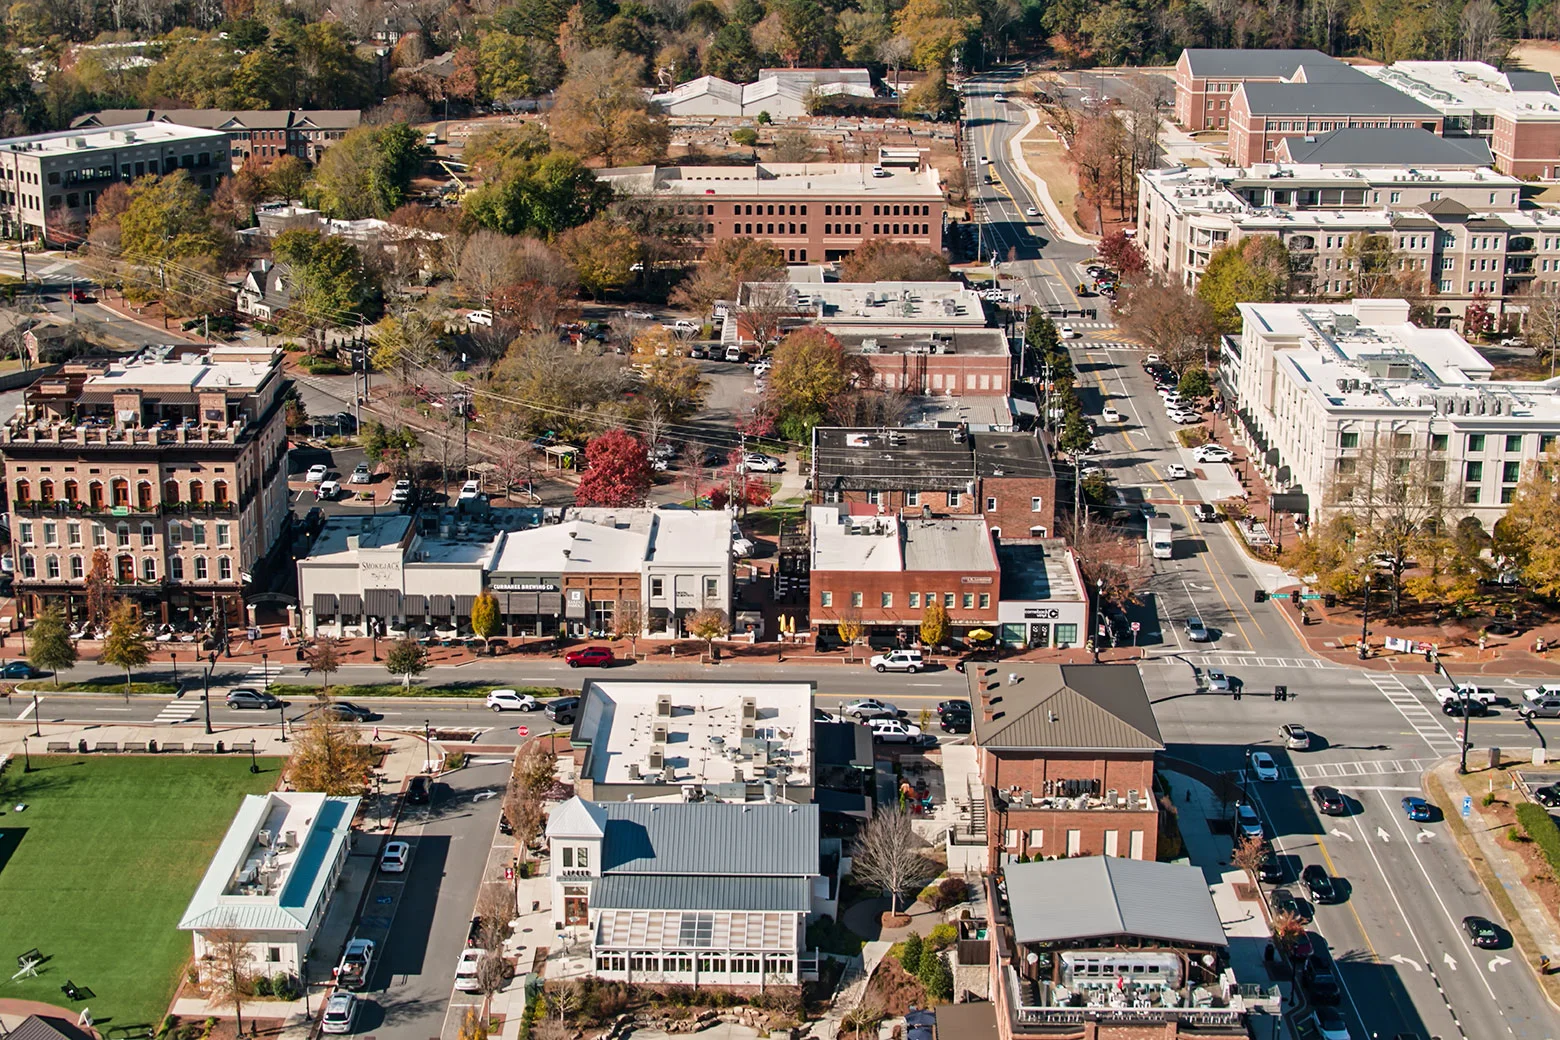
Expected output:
(88, 435)
(67, 508)
(1037, 1007)
(1111, 800)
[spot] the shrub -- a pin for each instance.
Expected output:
(454, 759)
(935, 976)
(263, 986)
(1516, 837)
(746, 136)
(942, 936)
(910, 953)
(1488, 800)
(1540, 827)
(282, 985)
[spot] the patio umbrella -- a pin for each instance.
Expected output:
(920, 1018)
(980, 635)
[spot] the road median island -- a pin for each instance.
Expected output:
(470, 690)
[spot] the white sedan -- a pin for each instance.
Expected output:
(1213, 453)
(393, 859)
(1032, 211)
(1263, 765)
(317, 473)
(466, 970)
(1067, 332)
(1175, 471)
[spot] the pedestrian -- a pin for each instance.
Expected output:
(1543, 964)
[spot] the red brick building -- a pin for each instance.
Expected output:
(1206, 79)
(1066, 760)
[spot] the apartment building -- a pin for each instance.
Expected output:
(1206, 79)
(262, 134)
(169, 469)
(1320, 99)
(1462, 231)
(1324, 391)
(812, 212)
(50, 183)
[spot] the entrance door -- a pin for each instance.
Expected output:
(576, 904)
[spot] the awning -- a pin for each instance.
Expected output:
(463, 605)
(324, 604)
(550, 603)
(351, 603)
(439, 606)
(383, 603)
(520, 602)
(576, 609)
(415, 605)
(1271, 457)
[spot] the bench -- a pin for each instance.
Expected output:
(206, 748)
(106, 746)
(137, 746)
(60, 747)
(171, 747)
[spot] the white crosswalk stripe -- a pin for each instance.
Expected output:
(260, 672)
(175, 711)
(1251, 661)
(1423, 721)
(1345, 770)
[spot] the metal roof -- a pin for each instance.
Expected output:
(36, 1027)
(1096, 897)
(942, 459)
(1099, 707)
(1394, 146)
(671, 892)
(1361, 98)
(1210, 62)
(710, 839)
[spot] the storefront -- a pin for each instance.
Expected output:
(1043, 603)
(529, 604)
(1034, 626)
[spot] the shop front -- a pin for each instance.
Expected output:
(529, 604)
(1035, 626)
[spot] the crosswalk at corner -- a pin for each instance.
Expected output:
(262, 674)
(180, 709)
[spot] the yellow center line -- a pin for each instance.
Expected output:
(1065, 284)
(1202, 558)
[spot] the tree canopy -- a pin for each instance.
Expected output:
(367, 172)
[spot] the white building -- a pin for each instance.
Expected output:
(696, 893)
(272, 877)
(781, 93)
(1316, 387)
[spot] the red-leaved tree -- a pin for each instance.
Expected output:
(618, 471)
(1122, 253)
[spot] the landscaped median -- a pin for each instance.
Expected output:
(141, 689)
(477, 691)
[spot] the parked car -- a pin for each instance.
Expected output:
(827, 717)
(1330, 1024)
(898, 661)
(1286, 902)
(1205, 512)
(340, 1013)
(956, 721)
(562, 710)
(19, 670)
(1482, 932)
(361, 474)
(1548, 795)
(1212, 453)
(867, 708)
(512, 700)
(470, 489)
(1318, 884)
(589, 657)
(1329, 801)
(894, 731)
(1294, 736)
(484, 318)
(402, 492)
(317, 473)
(734, 354)
(757, 462)
(1417, 809)
(418, 790)
(1263, 766)
(639, 315)
(247, 697)
(466, 970)
(1247, 821)
(1320, 976)
(328, 491)
(944, 707)
(393, 859)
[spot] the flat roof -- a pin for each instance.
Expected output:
(891, 340)
(789, 179)
(976, 411)
(372, 532)
(693, 733)
(188, 372)
(925, 305)
(886, 543)
(1097, 897)
(95, 138)
(872, 544)
(699, 536)
(1464, 87)
(948, 543)
(1038, 570)
(580, 545)
(1212, 62)
(931, 459)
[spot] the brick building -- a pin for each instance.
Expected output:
(262, 134)
(1066, 759)
(884, 571)
(1263, 114)
(812, 212)
(1005, 478)
(173, 467)
(1207, 78)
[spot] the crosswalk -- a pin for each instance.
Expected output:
(1253, 661)
(262, 674)
(1092, 324)
(1344, 771)
(1420, 718)
(180, 709)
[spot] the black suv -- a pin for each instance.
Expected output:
(1320, 887)
(563, 709)
(1320, 976)
(955, 721)
(418, 789)
(1329, 801)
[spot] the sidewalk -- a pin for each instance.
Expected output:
(1054, 215)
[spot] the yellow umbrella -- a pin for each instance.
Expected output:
(980, 635)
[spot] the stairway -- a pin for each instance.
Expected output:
(977, 810)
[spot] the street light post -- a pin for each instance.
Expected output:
(37, 728)
(1364, 647)
(1462, 765)
(26, 755)
(427, 744)
(265, 668)
(254, 766)
(174, 658)
(206, 697)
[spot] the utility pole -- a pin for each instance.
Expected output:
(1462, 765)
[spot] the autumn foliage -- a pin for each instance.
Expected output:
(618, 472)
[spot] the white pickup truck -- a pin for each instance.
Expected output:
(1483, 694)
(357, 961)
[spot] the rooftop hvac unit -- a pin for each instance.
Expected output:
(263, 839)
(663, 705)
(289, 839)
(747, 731)
(657, 760)
(749, 708)
(658, 734)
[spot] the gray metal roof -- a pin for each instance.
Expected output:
(1524, 79)
(1394, 146)
(36, 1027)
(1332, 99)
(710, 839)
(1097, 707)
(1096, 897)
(1208, 62)
(669, 892)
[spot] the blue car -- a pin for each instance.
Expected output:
(19, 670)
(1417, 809)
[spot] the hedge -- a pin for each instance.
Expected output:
(1540, 826)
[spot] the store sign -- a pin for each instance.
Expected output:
(975, 579)
(1041, 613)
(518, 586)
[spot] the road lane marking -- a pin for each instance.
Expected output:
(29, 709)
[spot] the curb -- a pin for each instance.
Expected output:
(1039, 188)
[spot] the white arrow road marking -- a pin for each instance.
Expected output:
(1424, 835)
(1199, 588)
(1450, 963)
(1496, 962)
(1343, 834)
(482, 796)
(1398, 958)
(1381, 832)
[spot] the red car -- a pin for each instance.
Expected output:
(82, 296)
(590, 656)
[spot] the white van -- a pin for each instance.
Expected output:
(480, 318)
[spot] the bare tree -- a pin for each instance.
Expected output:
(794, 146)
(492, 971)
(629, 622)
(765, 306)
(887, 855)
(1541, 323)
(228, 969)
(1249, 854)
(1111, 562)
(894, 52)
(496, 910)
(1481, 35)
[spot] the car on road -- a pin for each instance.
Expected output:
(639, 315)
(1548, 795)
(563, 710)
(827, 717)
(1294, 736)
(944, 707)
(1000, 99)
(1318, 885)
(1483, 694)
(1067, 332)
(317, 473)
(1110, 415)
(19, 670)
(758, 462)
(1330, 1024)
(82, 296)
(393, 859)
(985, 159)
(1176, 471)
(878, 171)
(346, 711)
(1482, 932)
(1196, 631)
(894, 731)
(1540, 692)
(956, 721)
(1320, 976)
(1271, 870)
(1218, 682)
(1032, 211)
(1263, 765)
(512, 700)
(328, 491)
(865, 708)
(1205, 512)
(418, 790)
(1247, 821)
(909, 661)
(402, 492)
(1456, 708)
(1212, 453)
(589, 657)
(1417, 809)
(248, 697)
(1286, 902)
(466, 970)
(340, 1013)
(470, 489)
(361, 474)
(1329, 801)
(480, 318)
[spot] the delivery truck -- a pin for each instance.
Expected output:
(1160, 537)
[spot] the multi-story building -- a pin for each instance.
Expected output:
(1005, 478)
(1330, 394)
(264, 135)
(1207, 78)
(50, 183)
(781, 93)
(1461, 232)
(810, 211)
(1066, 757)
(170, 470)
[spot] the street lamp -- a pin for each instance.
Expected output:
(1364, 647)
(266, 669)
(254, 767)
(303, 977)
(26, 755)
(174, 659)
(1435, 659)
(427, 744)
(206, 697)
(37, 729)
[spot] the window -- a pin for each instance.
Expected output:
(1035, 504)
(77, 570)
(199, 530)
(122, 535)
(51, 567)
(967, 601)
(1511, 472)
(1348, 440)
(27, 532)
(51, 533)
(826, 599)
(100, 536)
(915, 600)
(224, 534)
(29, 566)
(568, 856)
(657, 588)
(985, 601)
(948, 600)
(887, 600)
(912, 499)
(1037, 838)
(711, 586)
(1438, 442)
(224, 568)
(954, 499)
(175, 535)
(1513, 442)
(1471, 494)
(176, 568)
(874, 498)
(73, 532)
(1546, 443)
(855, 599)
(1473, 472)
(149, 568)
(1475, 442)
(200, 568)
(991, 504)
(148, 536)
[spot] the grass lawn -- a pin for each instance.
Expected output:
(98, 870)
(301, 691)
(149, 689)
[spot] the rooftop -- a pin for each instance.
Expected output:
(1212, 62)
(1095, 707)
(614, 543)
(344, 535)
(86, 139)
(696, 839)
(788, 179)
(890, 340)
(886, 543)
(1365, 97)
(271, 869)
(1387, 147)
(717, 735)
(1038, 569)
(1466, 87)
(978, 412)
(189, 372)
(874, 305)
(937, 459)
(1098, 897)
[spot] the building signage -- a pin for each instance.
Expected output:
(976, 579)
(1041, 613)
(525, 586)
(380, 574)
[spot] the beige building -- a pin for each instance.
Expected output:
(171, 466)
(812, 212)
(1461, 230)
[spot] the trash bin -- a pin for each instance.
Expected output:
(1259, 596)
(151, 747)
(220, 748)
(81, 747)
(1329, 601)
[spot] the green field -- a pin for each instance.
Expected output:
(98, 869)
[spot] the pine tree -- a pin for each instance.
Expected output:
(935, 976)
(911, 954)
